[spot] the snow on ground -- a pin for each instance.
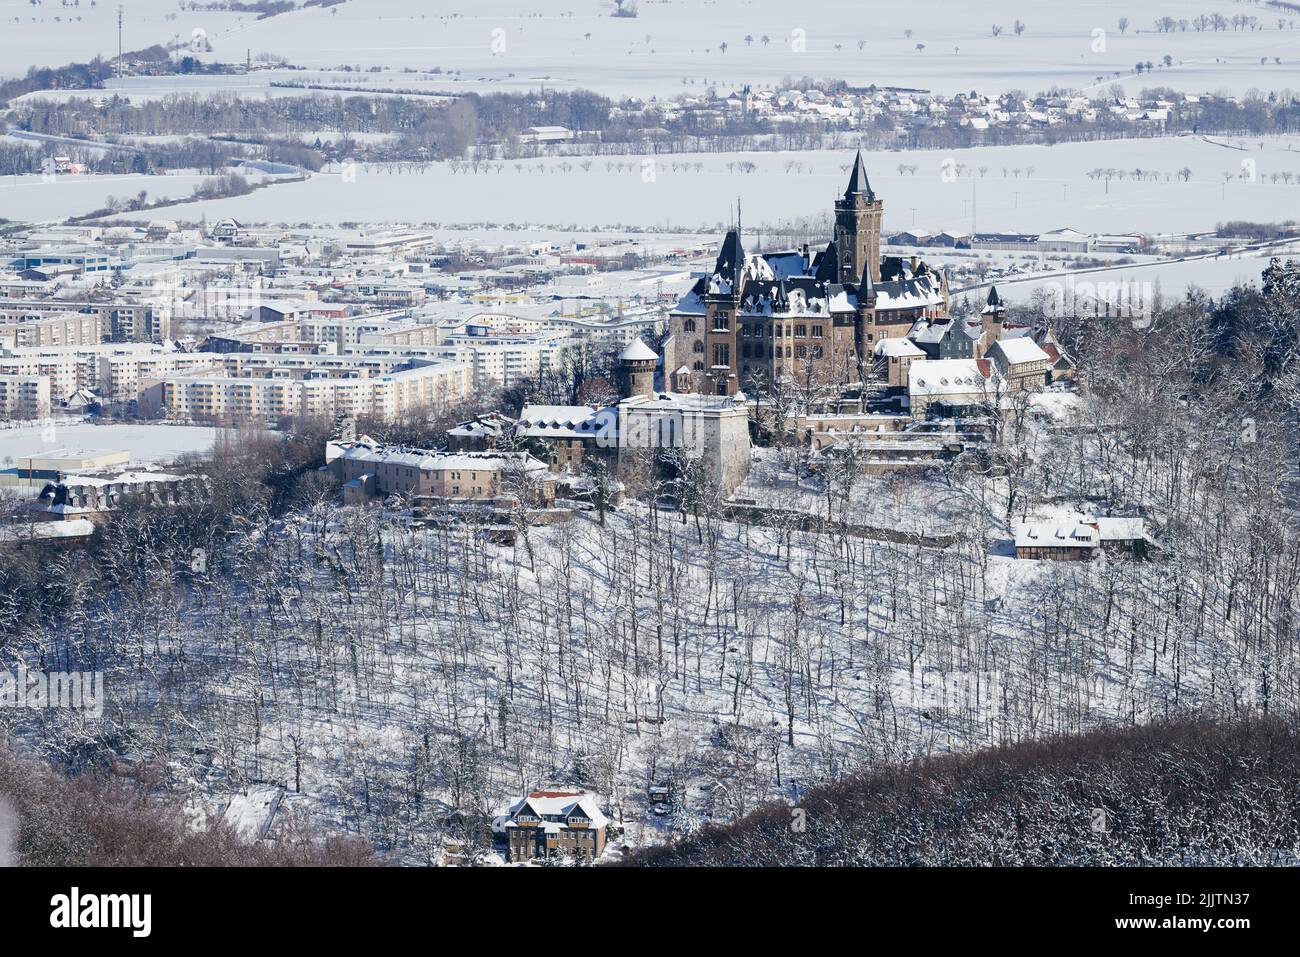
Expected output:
(251, 814)
(908, 662)
(259, 84)
(147, 444)
(52, 34)
(911, 503)
(35, 198)
(736, 660)
(676, 45)
(1058, 407)
(1023, 189)
(1216, 276)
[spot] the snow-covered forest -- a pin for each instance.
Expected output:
(1175, 793)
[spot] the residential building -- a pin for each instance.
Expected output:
(1060, 542)
(953, 385)
(547, 823)
(24, 396)
(372, 472)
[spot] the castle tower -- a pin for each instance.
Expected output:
(992, 317)
(722, 301)
(865, 334)
(637, 363)
(858, 215)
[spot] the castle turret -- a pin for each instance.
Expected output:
(637, 362)
(992, 318)
(721, 302)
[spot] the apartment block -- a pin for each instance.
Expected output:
(24, 397)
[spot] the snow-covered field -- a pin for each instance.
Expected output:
(259, 84)
(1215, 276)
(1020, 188)
(51, 34)
(147, 444)
(37, 198)
(676, 45)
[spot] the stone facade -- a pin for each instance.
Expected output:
(713, 428)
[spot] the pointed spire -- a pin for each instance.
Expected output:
(858, 181)
(828, 264)
(866, 288)
(731, 258)
(994, 304)
(781, 301)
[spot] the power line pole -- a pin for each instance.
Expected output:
(119, 41)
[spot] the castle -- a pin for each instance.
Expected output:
(803, 315)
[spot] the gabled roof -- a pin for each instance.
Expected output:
(940, 377)
(1019, 350)
(562, 804)
(786, 263)
(933, 332)
(897, 348)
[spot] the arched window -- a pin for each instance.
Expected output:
(699, 365)
(688, 325)
(698, 347)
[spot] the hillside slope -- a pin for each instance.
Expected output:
(1184, 793)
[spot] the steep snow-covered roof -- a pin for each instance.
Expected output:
(565, 421)
(911, 293)
(692, 304)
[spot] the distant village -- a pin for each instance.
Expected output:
(906, 113)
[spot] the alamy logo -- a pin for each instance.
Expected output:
(103, 910)
(76, 690)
